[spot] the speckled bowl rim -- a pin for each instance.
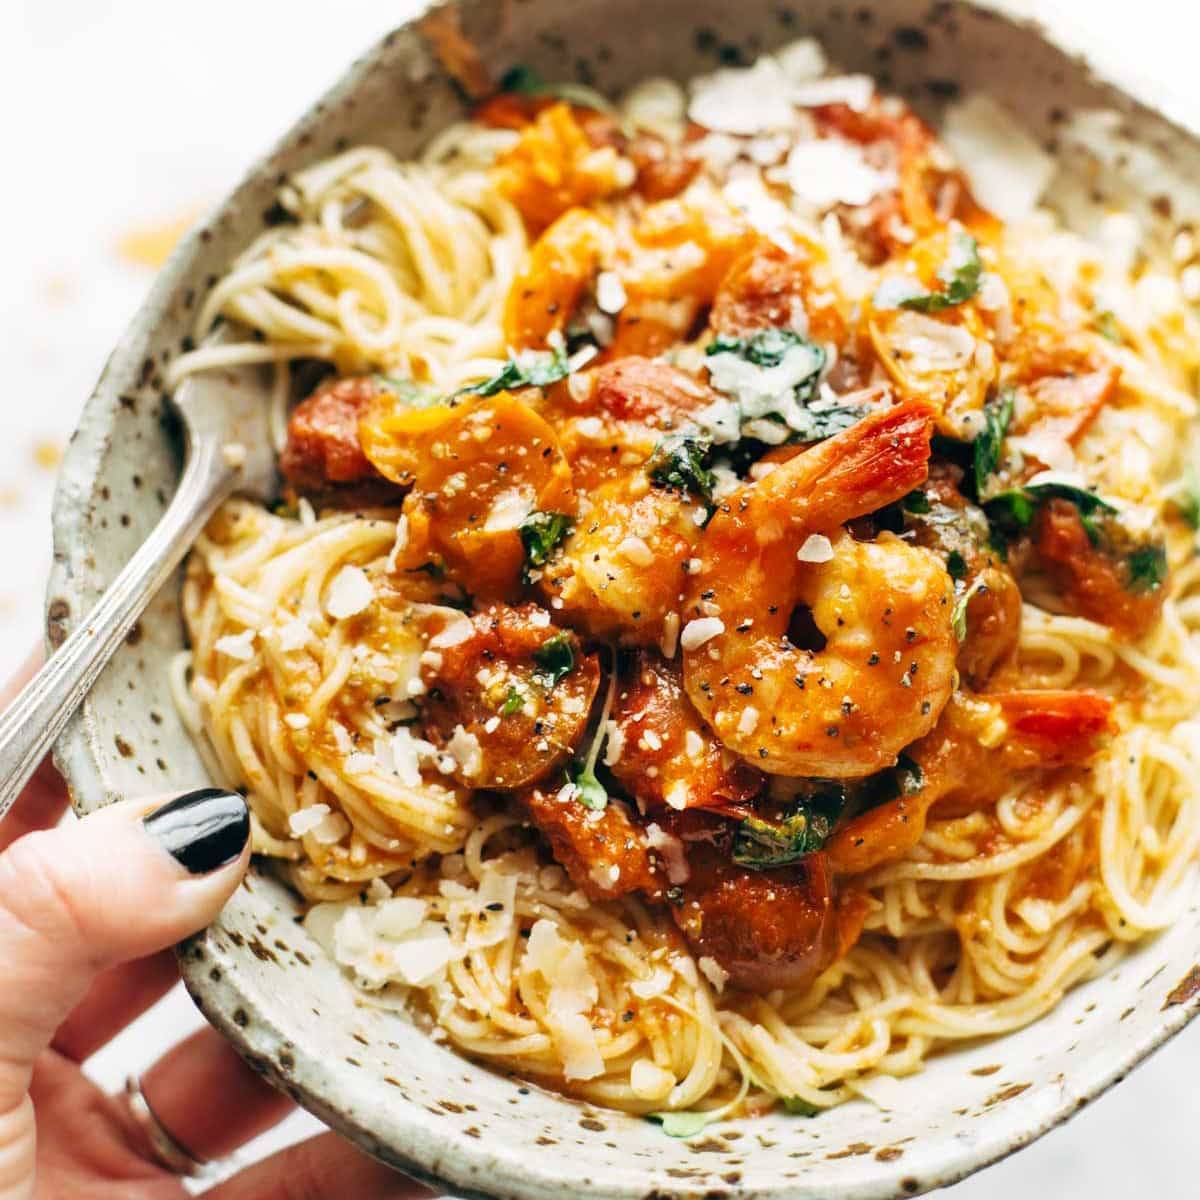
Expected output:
(428, 1154)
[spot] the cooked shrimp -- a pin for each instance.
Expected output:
(555, 166)
(477, 469)
(969, 759)
(508, 695)
(769, 288)
(666, 755)
(561, 264)
(683, 249)
(622, 569)
(883, 608)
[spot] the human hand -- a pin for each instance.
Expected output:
(88, 911)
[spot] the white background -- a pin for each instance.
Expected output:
(135, 115)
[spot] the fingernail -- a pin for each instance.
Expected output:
(202, 830)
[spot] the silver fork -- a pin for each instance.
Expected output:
(227, 449)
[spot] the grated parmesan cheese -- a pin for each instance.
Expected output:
(671, 850)
(829, 171)
(703, 629)
(817, 548)
(349, 594)
(237, 645)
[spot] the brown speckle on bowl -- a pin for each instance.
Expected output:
(1185, 989)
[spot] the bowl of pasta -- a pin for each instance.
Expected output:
(717, 688)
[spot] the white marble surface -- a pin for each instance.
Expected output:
(139, 114)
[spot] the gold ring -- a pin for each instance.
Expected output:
(169, 1152)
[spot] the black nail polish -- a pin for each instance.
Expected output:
(203, 830)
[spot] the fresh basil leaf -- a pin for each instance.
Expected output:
(1147, 568)
(529, 82)
(555, 659)
(916, 502)
(680, 461)
(997, 416)
(1011, 512)
(529, 368)
(799, 1107)
(958, 615)
(541, 534)
(817, 424)
(770, 378)
(513, 702)
(681, 1124)
(761, 844)
(589, 791)
(764, 348)
(959, 275)
(956, 565)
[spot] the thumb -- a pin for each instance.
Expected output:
(119, 884)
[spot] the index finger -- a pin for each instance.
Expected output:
(45, 796)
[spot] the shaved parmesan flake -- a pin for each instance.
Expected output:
(713, 972)
(802, 60)
(670, 848)
(854, 91)
(610, 293)
(703, 629)
(305, 820)
(748, 721)
(293, 636)
(331, 830)
(693, 745)
(456, 630)
(464, 748)
(349, 593)
(508, 510)
(382, 944)
(573, 992)
(295, 720)
(817, 548)
(659, 106)
(1007, 168)
(237, 645)
(615, 744)
(766, 215)
(829, 171)
(745, 100)
(399, 916)
(655, 984)
(635, 550)
(669, 642)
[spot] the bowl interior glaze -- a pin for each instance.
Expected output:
(258, 976)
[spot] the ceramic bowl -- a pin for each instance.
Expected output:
(256, 974)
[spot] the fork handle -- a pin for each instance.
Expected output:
(36, 717)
